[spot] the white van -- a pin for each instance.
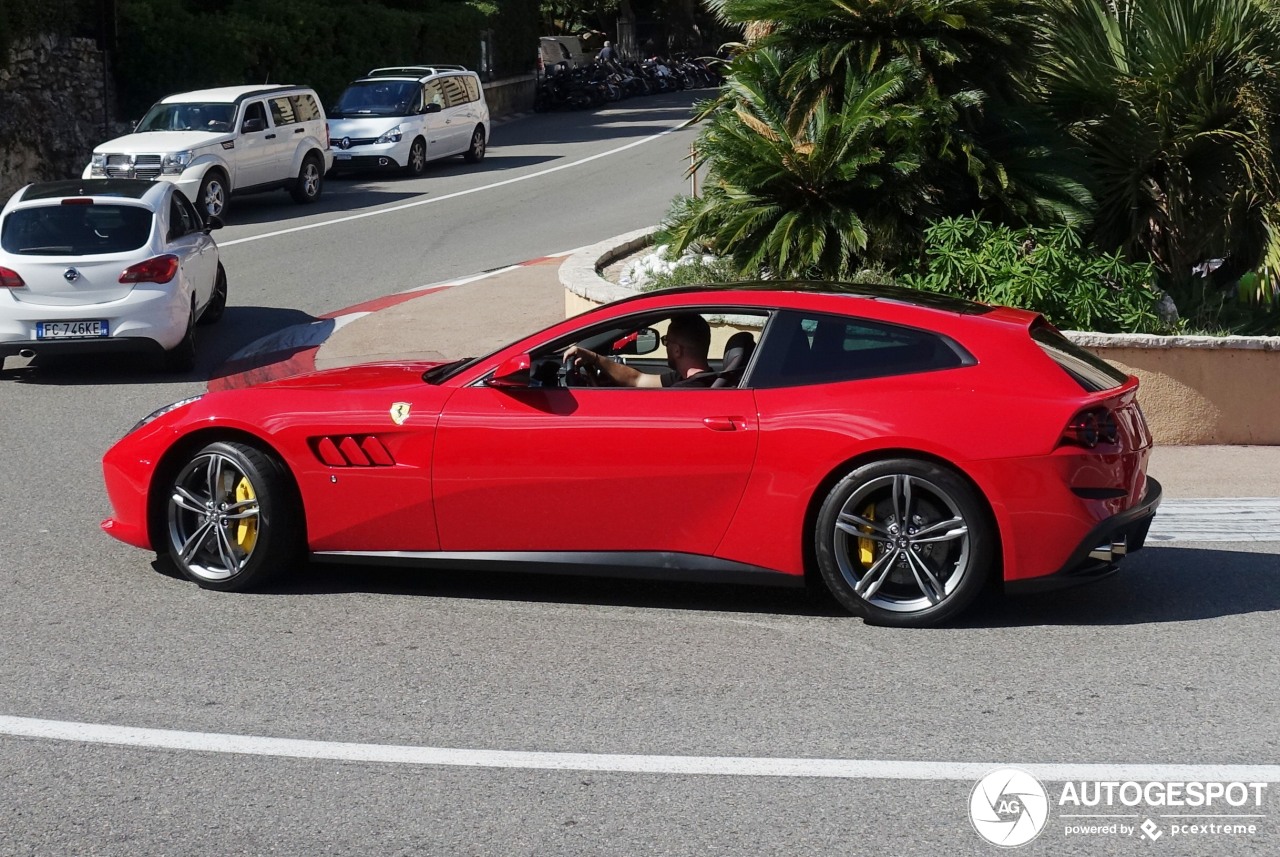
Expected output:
(403, 116)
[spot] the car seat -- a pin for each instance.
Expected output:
(737, 354)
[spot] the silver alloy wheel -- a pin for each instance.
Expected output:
(214, 198)
(214, 517)
(902, 543)
(417, 157)
(476, 152)
(310, 179)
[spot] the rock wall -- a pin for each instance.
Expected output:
(56, 103)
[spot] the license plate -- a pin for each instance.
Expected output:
(342, 156)
(71, 329)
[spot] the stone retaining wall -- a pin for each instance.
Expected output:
(1194, 389)
(56, 100)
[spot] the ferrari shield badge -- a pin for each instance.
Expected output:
(399, 413)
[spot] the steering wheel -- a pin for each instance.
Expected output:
(574, 375)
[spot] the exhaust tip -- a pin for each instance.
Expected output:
(26, 353)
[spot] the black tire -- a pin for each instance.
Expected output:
(182, 357)
(227, 517)
(310, 181)
(214, 195)
(910, 576)
(417, 163)
(475, 153)
(218, 301)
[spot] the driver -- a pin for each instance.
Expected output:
(688, 341)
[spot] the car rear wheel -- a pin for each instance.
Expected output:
(212, 197)
(218, 301)
(181, 358)
(417, 163)
(475, 153)
(231, 517)
(904, 542)
(310, 181)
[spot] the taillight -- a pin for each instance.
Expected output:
(161, 269)
(1090, 428)
(10, 279)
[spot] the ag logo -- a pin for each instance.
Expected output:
(1008, 807)
(399, 413)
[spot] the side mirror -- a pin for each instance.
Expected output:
(251, 125)
(432, 107)
(212, 222)
(643, 341)
(512, 374)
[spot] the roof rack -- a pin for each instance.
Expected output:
(413, 70)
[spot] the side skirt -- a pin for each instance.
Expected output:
(638, 565)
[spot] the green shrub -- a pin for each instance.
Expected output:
(1049, 271)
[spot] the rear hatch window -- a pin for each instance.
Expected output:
(1090, 371)
(75, 230)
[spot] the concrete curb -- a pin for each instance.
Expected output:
(580, 273)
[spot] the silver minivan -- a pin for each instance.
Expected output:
(403, 116)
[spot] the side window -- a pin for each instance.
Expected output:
(473, 88)
(432, 93)
(181, 220)
(455, 92)
(193, 214)
(282, 112)
(811, 348)
(255, 118)
(305, 107)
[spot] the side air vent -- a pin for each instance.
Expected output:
(352, 451)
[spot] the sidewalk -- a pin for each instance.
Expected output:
(473, 316)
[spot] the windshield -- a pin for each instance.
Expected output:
(75, 230)
(378, 98)
(189, 117)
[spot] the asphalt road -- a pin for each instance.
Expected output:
(360, 672)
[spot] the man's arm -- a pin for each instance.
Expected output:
(619, 373)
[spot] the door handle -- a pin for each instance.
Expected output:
(299, 130)
(725, 423)
(269, 137)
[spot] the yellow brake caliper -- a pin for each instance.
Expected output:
(246, 528)
(866, 547)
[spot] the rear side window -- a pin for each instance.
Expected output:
(473, 88)
(282, 112)
(75, 230)
(305, 108)
(455, 91)
(811, 348)
(1089, 370)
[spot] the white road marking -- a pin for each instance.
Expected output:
(732, 766)
(435, 199)
(1233, 519)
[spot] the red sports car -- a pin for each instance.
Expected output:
(901, 447)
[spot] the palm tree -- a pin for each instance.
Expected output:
(953, 71)
(814, 195)
(1176, 106)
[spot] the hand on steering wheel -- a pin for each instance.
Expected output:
(576, 373)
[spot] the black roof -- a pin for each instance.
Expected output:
(127, 188)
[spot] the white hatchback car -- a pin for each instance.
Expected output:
(107, 265)
(216, 142)
(402, 117)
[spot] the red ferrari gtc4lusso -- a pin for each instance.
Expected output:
(903, 448)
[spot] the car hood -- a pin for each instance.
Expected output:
(152, 142)
(365, 126)
(366, 376)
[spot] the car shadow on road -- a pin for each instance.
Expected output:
(278, 208)
(1159, 584)
(240, 327)
(478, 585)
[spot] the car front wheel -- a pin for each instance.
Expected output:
(310, 181)
(231, 517)
(218, 301)
(417, 163)
(904, 542)
(212, 197)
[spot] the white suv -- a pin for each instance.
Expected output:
(215, 142)
(402, 117)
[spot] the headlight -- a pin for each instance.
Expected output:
(392, 136)
(98, 165)
(175, 162)
(158, 413)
